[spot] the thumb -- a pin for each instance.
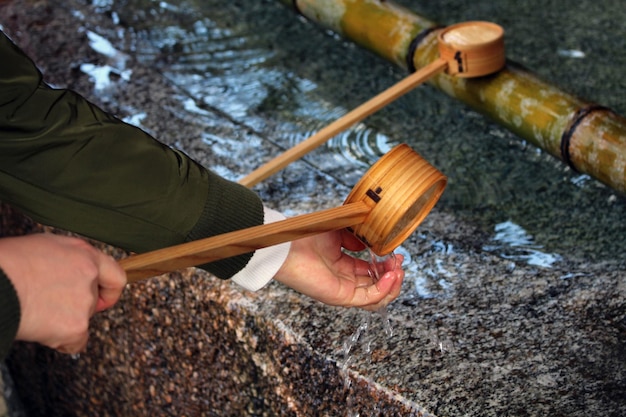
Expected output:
(111, 282)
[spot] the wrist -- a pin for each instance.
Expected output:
(266, 262)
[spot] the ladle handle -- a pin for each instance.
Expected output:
(211, 249)
(344, 122)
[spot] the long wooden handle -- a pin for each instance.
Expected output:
(361, 112)
(211, 249)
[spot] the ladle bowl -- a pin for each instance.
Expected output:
(472, 49)
(401, 189)
(383, 209)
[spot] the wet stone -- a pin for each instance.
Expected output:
(474, 333)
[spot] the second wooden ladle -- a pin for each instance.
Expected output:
(467, 50)
(382, 210)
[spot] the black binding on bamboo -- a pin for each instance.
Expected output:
(566, 138)
(295, 7)
(417, 40)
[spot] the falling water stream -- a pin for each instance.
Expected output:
(366, 332)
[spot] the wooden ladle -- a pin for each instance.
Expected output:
(385, 206)
(470, 49)
(383, 209)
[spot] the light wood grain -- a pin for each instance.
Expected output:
(341, 124)
(211, 249)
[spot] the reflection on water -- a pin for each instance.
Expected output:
(361, 144)
(102, 74)
(513, 242)
(433, 271)
(265, 69)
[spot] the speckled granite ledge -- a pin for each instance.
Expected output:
(188, 345)
(507, 339)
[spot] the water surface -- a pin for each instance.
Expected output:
(277, 74)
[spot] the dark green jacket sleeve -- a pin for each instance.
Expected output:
(68, 164)
(9, 314)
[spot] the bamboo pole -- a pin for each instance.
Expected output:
(591, 139)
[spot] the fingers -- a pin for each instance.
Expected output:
(340, 278)
(107, 289)
(60, 282)
(71, 336)
(351, 242)
(109, 277)
(380, 292)
(111, 282)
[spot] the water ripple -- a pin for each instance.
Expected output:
(512, 242)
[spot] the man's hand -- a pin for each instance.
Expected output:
(60, 282)
(317, 267)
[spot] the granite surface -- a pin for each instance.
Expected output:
(506, 338)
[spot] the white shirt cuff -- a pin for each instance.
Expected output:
(265, 262)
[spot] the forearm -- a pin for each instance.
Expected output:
(68, 164)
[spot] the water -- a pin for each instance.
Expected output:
(365, 335)
(363, 342)
(270, 71)
(522, 247)
(282, 78)
(366, 332)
